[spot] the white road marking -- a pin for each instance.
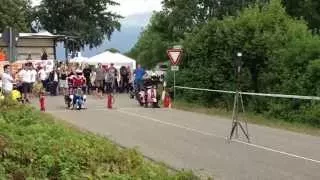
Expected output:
(218, 136)
(121, 110)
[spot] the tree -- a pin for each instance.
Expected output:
(87, 20)
(15, 13)
(113, 50)
(308, 10)
(280, 55)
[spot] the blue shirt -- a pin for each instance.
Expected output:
(139, 73)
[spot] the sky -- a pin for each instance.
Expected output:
(131, 7)
(136, 15)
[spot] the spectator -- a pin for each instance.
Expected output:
(2, 55)
(87, 72)
(7, 81)
(99, 81)
(114, 72)
(44, 55)
(139, 74)
(124, 75)
(29, 57)
(42, 76)
(93, 79)
(63, 84)
(110, 81)
(25, 75)
(33, 74)
(54, 82)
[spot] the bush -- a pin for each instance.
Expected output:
(34, 146)
(279, 56)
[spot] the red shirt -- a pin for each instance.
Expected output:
(79, 81)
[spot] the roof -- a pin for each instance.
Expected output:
(42, 34)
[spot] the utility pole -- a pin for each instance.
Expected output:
(10, 45)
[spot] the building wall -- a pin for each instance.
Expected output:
(33, 46)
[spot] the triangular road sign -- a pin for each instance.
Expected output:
(175, 55)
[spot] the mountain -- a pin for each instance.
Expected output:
(131, 27)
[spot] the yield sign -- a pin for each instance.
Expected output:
(175, 55)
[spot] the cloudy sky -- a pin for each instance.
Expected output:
(137, 14)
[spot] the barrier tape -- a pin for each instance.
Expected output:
(254, 94)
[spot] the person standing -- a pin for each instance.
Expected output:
(139, 74)
(54, 81)
(25, 75)
(114, 72)
(87, 72)
(93, 76)
(63, 84)
(7, 81)
(42, 76)
(124, 76)
(33, 74)
(2, 55)
(99, 81)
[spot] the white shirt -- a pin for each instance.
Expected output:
(7, 80)
(26, 76)
(33, 75)
(42, 75)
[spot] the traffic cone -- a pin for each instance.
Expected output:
(110, 101)
(42, 102)
(167, 101)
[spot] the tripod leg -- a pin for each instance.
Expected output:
(245, 133)
(246, 123)
(234, 125)
(237, 115)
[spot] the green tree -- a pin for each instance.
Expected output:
(308, 10)
(15, 13)
(113, 50)
(280, 56)
(87, 20)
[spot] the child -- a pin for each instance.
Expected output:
(16, 94)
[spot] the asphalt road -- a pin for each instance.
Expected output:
(186, 140)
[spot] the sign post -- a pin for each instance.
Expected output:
(175, 55)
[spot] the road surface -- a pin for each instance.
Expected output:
(186, 140)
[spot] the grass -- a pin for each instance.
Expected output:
(252, 118)
(34, 145)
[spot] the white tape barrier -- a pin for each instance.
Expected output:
(254, 94)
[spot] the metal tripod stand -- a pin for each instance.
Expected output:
(238, 101)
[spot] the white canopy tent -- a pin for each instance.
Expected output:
(78, 59)
(106, 58)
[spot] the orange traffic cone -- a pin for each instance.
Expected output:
(42, 102)
(110, 101)
(167, 102)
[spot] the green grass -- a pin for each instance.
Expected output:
(34, 145)
(251, 118)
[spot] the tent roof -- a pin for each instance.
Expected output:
(116, 58)
(125, 58)
(109, 57)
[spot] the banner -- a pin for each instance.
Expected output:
(15, 66)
